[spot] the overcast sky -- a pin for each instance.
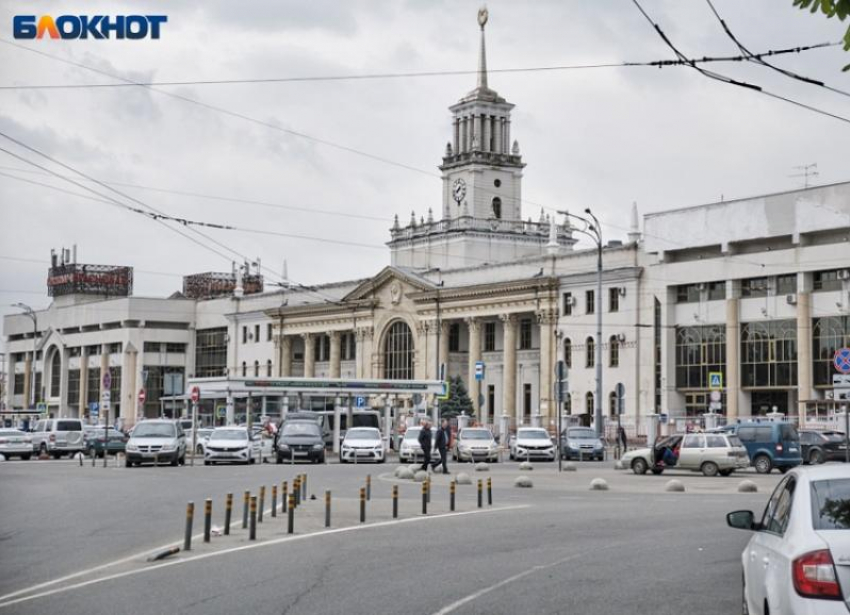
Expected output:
(601, 138)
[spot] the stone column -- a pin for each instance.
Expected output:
(336, 354)
(733, 364)
(474, 386)
(456, 136)
(363, 352)
(444, 346)
(284, 363)
(485, 133)
(497, 129)
(104, 366)
(804, 352)
(509, 406)
(129, 400)
(508, 137)
(476, 130)
(546, 320)
(28, 360)
(309, 356)
(464, 129)
(84, 381)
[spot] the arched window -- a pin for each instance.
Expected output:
(398, 352)
(497, 208)
(256, 369)
(268, 369)
(588, 403)
(55, 374)
(590, 359)
(244, 369)
(568, 352)
(612, 403)
(614, 351)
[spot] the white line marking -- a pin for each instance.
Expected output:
(258, 545)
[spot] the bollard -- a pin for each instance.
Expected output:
(296, 487)
(480, 493)
(369, 487)
(207, 519)
(489, 492)
(424, 498)
(262, 504)
(327, 508)
(428, 488)
(246, 498)
(362, 504)
(190, 515)
(228, 511)
(284, 494)
(395, 501)
(452, 491)
(274, 500)
(291, 521)
(252, 531)
(303, 483)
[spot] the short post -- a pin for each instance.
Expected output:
(274, 500)
(480, 493)
(252, 531)
(296, 486)
(327, 508)
(489, 492)
(190, 516)
(284, 495)
(452, 491)
(369, 487)
(207, 519)
(291, 521)
(362, 504)
(228, 512)
(303, 483)
(428, 488)
(262, 504)
(246, 499)
(395, 501)
(424, 498)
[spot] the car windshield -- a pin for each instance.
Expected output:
(301, 429)
(788, 432)
(534, 434)
(831, 504)
(412, 433)
(582, 434)
(230, 434)
(734, 441)
(475, 434)
(361, 434)
(154, 430)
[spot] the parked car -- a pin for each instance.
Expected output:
(96, 442)
(798, 558)
(709, 453)
(411, 452)
(581, 443)
(233, 445)
(300, 440)
(156, 440)
(771, 444)
(363, 444)
(201, 442)
(15, 443)
(475, 444)
(532, 443)
(820, 446)
(58, 437)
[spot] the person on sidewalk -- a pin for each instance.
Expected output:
(425, 443)
(442, 441)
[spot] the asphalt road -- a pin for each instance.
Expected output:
(556, 548)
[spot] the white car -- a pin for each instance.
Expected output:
(798, 559)
(233, 445)
(410, 451)
(475, 444)
(363, 444)
(532, 443)
(15, 443)
(156, 440)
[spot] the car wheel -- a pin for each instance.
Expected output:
(639, 466)
(709, 468)
(183, 459)
(658, 471)
(726, 472)
(815, 457)
(174, 461)
(763, 464)
(128, 463)
(206, 462)
(26, 457)
(279, 459)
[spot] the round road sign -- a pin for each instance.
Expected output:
(107, 379)
(714, 395)
(141, 396)
(196, 395)
(841, 360)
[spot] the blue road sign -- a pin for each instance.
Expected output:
(842, 360)
(93, 409)
(479, 370)
(715, 380)
(360, 402)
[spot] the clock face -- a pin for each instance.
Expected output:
(459, 190)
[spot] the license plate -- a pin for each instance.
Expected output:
(301, 453)
(793, 450)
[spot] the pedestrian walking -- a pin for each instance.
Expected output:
(621, 437)
(442, 442)
(425, 443)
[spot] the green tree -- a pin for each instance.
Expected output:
(458, 400)
(830, 8)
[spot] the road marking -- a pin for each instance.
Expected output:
(353, 528)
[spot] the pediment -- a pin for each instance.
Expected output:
(400, 282)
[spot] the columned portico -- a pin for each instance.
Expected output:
(309, 355)
(733, 380)
(284, 364)
(546, 320)
(509, 405)
(474, 386)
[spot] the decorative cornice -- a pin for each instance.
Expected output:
(486, 290)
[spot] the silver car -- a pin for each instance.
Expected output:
(15, 443)
(709, 453)
(410, 450)
(532, 443)
(475, 444)
(155, 441)
(58, 437)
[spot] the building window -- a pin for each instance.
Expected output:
(256, 333)
(568, 304)
(256, 369)
(244, 334)
(268, 369)
(55, 374)
(754, 287)
(497, 208)
(716, 291)
(73, 398)
(614, 299)
(348, 347)
(525, 334)
(612, 404)
(244, 369)
(588, 403)
(398, 352)
(568, 404)
(115, 348)
(769, 354)
(93, 386)
(93, 350)
(491, 399)
(687, 293)
(322, 348)
(74, 351)
(827, 280)
(568, 352)
(454, 337)
(590, 357)
(152, 347)
(786, 284)
(526, 402)
(115, 390)
(211, 352)
(175, 348)
(161, 381)
(269, 332)
(590, 301)
(613, 351)
(699, 350)
(828, 335)
(19, 385)
(489, 336)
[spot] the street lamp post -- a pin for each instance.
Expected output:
(29, 312)
(593, 229)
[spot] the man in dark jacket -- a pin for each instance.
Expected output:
(425, 443)
(442, 441)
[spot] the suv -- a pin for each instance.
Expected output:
(709, 453)
(770, 444)
(156, 440)
(299, 439)
(58, 436)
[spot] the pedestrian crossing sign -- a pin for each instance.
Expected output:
(715, 380)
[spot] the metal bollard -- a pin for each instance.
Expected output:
(228, 511)
(428, 488)
(274, 500)
(284, 494)
(452, 491)
(207, 519)
(296, 487)
(190, 516)
(246, 498)
(480, 493)
(327, 508)
(291, 521)
(369, 487)
(362, 504)
(262, 504)
(252, 531)
(424, 498)
(303, 483)
(489, 492)
(395, 501)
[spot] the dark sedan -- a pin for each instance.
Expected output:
(300, 440)
(820, 446)
(96, 442)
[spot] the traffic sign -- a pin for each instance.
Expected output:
(106, 395)
(141, 396)
(715, 380)
(841, 360)
(106, 405)
(561, 370)
(221, 411)
(621, 396)
(196, 395)
(715, 405)
(107, 379)
(479, 370)
(360, 402)
(41, 406)
(562, 390)
(93, 409)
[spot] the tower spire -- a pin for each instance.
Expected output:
(482, 55)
